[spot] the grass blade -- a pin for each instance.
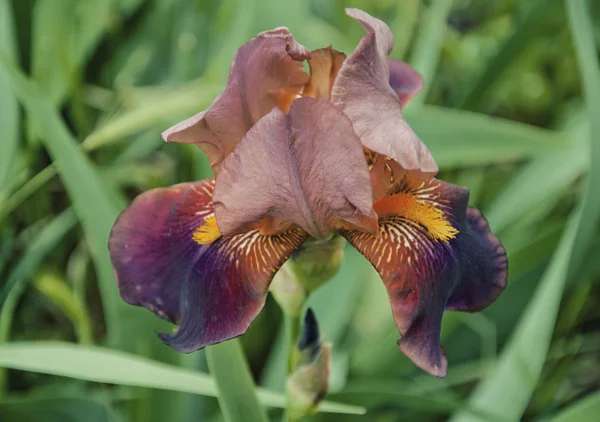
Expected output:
(94, 204)
(236, 390)
(9, 117)
(506, 392)
(461, 138)
(531, 24)
(586, 409)
(582, 30)
(428, 44)
(100, 364)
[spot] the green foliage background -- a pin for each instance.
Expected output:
(511, 109)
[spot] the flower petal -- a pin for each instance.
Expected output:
(324, 66)
(151, 245)
(306, 167)
(424, 271)
(214, 291)
(362, 91)
(266, 72)
(404, 80)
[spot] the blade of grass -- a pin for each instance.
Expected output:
(44, 243)
(100, 364)
(9, 118)
(526, 28)
(58, 409)
(582, 30)
(403, 26)
(428, 44)
(94, 204)
(461, 138)
(586, 409)
(546, 176)
(235, 387)
(505, 393)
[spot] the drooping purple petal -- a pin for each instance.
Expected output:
(306, 167)
(484, 269)
(151, 245)
(266, 72)
(404, 80)
(426, 272)
(362, 91)
(213, 291)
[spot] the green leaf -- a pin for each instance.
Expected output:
(236, 389)
(586, 409)
(45, 242)
(461, 138)
(100, 364)
(64, 34)
(526, 28)
(9, 117)
(94, 204)
(546, 177)
(582, 30)
(54, 410)
(428, 45)
(505, 393)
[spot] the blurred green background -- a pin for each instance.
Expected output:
(511, 109)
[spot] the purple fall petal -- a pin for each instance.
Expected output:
(424, 276)
(306, 167)
(214, 291)
(362, 91)
(266, 72)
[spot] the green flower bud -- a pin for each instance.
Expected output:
(309, 381)
(318, 261)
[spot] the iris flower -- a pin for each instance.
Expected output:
(300, 156)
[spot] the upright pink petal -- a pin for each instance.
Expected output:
(266, 72)
(362, 91)
(306, 167)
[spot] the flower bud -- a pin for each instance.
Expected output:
(308, 383)
(317, 261)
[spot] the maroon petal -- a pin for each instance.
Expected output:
(214, 291)
(404, 80)
(427, 268)
(266, 72)
(306, 167)
(362, 91)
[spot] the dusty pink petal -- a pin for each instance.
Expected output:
(306, 168)
(362, 91)
(266, 72)
(404, 80)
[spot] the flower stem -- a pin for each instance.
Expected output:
(292, 329)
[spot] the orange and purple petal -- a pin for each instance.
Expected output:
(362, 91)
(212, 291)
(306, 167)
(266, 72)
(433, 253)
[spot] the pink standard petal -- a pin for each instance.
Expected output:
(362, 91)
(266, 72)
(306, 167)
